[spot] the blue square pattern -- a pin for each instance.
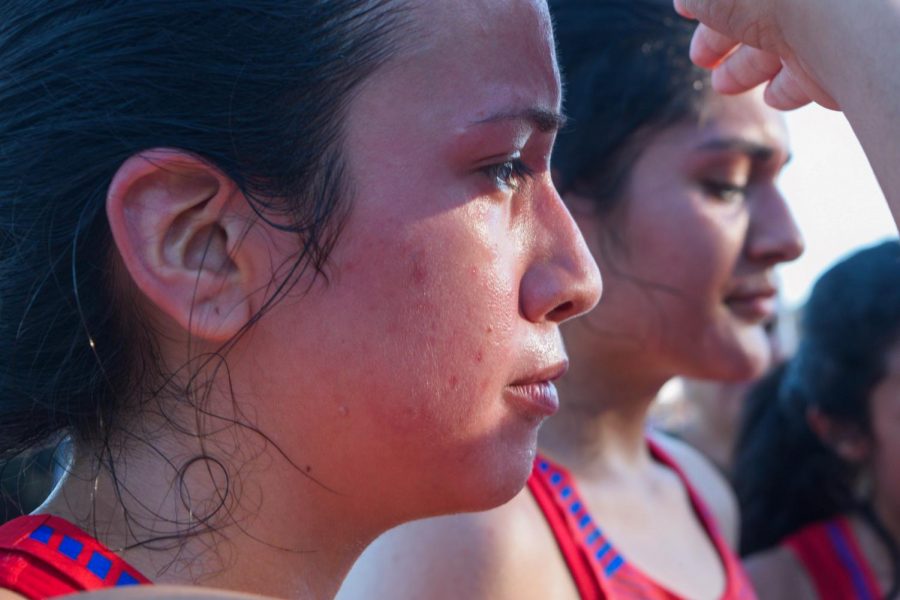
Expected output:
(99, 565)
(126, 579)
(42, 534)
(71, 548)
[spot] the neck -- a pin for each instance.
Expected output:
(601, 426)
(264, 528)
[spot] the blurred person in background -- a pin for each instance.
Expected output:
(818, 462)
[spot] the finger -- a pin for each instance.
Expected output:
(682, 10)
(709, 47)
(785, 93)
(744, 69)
(792, 88)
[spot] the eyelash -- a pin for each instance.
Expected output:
(727, 192)
(509, 174)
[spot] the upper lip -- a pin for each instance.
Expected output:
(752, 290)
(545, 374)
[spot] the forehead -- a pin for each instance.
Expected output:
(483, 52)
(744, 116)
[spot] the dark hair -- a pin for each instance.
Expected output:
(257, 88)
(626, 70)
(785, 476)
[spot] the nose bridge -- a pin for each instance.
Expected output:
(774, 235)
(563, 280)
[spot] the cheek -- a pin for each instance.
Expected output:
(439, 308)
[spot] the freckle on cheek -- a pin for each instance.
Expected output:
(453, 382)
(419, 272)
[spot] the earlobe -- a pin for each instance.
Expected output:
(846, 440)
(174, 222)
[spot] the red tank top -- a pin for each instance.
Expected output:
(43, 556)
(598, 570)
(829, 552)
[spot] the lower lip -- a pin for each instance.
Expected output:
(754, 309)
(538, 399)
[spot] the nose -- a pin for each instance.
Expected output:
(562, 281)
(773, 236)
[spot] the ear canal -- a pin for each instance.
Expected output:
(207, 249)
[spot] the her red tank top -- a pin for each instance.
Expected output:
(43, 556)
(598, 570)
(832, 557)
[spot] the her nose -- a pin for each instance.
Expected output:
(773, 236)
(563, 280)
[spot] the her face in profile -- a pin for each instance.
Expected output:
(413, 380)
(689, 271)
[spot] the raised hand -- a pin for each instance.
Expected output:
(745, 43)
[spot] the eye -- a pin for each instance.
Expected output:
(724, 190)
(509, 174)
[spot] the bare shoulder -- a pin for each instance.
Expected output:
(8, 595)
(708, 481)
(478, 555)
(778, 575)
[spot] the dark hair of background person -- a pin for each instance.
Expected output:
(627, 75)
(785, 476)
(257, 88)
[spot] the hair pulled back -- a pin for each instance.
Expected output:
(627, 72)
(256, 88)
(786, 477)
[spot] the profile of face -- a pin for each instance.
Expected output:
(411, 380)
(688, 255)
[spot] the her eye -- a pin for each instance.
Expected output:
(510, 174)
(724, 191)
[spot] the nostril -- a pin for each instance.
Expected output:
(562, 312)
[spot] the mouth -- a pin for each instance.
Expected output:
(535, 394)
(752, 305)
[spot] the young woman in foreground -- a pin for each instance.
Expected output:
(817, 463)
(674, 189)
(283, 284)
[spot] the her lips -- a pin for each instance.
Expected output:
(536, 394)
(753, 306)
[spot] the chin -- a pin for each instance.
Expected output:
(747, 361)
(492, 478)
(744, 355)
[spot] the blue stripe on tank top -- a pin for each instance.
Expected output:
(614, 566)
(843, 551)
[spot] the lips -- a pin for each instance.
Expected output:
(754, 304)
(535, 394)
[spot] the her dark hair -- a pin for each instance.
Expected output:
(257, 88)
(785, 476)
(627, 72)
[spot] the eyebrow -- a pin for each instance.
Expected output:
(754, 150)
(542, 119)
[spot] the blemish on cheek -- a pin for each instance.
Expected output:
(489, 329)
(419, 272)
(343, 410)
(479, 356)
(454, 382)
(308, 468)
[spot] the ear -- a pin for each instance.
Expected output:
(174, 223)
(846, 440)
